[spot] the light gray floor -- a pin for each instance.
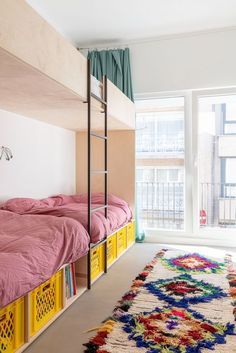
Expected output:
(67, 333)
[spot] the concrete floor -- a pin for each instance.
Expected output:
(67, 333)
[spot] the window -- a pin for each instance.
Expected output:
(186, 164)
(160, 162)
(217, 161)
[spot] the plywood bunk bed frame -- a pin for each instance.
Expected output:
(42, 76)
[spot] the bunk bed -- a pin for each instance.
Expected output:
(51, 72)
(42, 76)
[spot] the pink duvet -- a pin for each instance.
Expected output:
(33, 248)
(75, 207)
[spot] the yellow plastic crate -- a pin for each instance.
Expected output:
(121, 241)
(97, 261)
(45, 302)
(12, 326)
(130, 233)
(111, 249)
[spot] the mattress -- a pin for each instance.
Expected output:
(76, 207)
(33, 248)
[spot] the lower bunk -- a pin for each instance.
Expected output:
(22, 321)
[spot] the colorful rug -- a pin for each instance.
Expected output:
(180, 303)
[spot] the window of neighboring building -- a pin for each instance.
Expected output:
(228, 177)
(229, 118)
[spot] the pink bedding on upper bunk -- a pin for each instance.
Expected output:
(75, 206)
(33, 248)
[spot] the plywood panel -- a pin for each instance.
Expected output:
(120, 106)
(26, 35)
(121, 164)
(81, 162)
(26, 91)
(121, 157)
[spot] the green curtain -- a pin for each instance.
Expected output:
(115, 64)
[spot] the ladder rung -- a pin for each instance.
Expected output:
(99, 171)
(99, 136)
(98, 99)
(99, 208)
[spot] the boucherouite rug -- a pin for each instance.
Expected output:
(180, 303)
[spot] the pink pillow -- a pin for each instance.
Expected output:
(56, 200)
(60, 200)
(20, 205)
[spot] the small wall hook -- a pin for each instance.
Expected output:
(5, 152)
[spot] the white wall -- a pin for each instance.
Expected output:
(191, 61)
(43, 162)
(203, 60)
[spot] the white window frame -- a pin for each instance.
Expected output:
(192, 233)
(210, 236)
(172, 235)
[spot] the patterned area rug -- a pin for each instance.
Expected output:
(180, 303)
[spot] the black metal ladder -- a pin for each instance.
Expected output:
(91, 172)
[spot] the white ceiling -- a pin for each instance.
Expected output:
(94, 22)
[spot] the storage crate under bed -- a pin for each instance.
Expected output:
(116, 245)
(45, 301)
(12, 326)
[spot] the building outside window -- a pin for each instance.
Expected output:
(217, 161)
(160, 162)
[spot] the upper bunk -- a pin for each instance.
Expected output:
(43, 76)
